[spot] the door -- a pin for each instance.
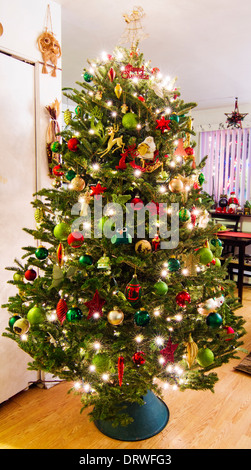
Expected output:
(17, 185)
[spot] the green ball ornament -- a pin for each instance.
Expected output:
(160, 288)
(13, 320)
(205, 255)
(61, 231)
(173, 265)
(184, 214)
(217, 262)
(41, 253)
(216, 242)
(102, 362)
(205, 357)
(142, 317)
(35, 315)
(130, 121)
(214, 320)
(56, 147)
(174, 117)
(74, 314)
(88, 77)
(18, 277)
(86, 260)
(70, 174)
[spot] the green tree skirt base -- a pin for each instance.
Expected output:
(149, 420)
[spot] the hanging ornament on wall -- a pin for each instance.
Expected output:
(235, 118)
(49, 46)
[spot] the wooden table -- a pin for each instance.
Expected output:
(241, 240)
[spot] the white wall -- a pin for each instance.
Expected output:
(23, 21)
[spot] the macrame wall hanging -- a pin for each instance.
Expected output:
(48, 45)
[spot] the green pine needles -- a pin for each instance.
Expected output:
(119, 316)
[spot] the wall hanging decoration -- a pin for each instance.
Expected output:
(235, 118)
(51, 135)
(49, 46)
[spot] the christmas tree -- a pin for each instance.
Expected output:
(114, 298)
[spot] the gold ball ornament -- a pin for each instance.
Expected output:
(176, 185)
(118, 90)
(115, 316)
(143, 247)
(21, 326)
(77, 184)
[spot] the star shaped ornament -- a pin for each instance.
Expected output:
(95, 306)
(162, 124)
(168, 351)
(98, 189)
(235, 118)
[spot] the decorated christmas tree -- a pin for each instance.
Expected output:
(122, 290)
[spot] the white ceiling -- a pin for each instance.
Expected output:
(206, 44)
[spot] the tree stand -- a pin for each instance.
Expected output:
(149, 420)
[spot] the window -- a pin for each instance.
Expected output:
(228, 166)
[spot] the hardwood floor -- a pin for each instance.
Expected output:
(50, 418)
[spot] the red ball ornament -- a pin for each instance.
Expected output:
(138, 358)
(30, 275)
(73, 144)
(137, 203)
(75, 239)
(155, 70)
(182, 298)
(189, 150)
(57, 170)
(141, 98)
(229, 331)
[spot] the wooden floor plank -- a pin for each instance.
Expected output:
(51, 419)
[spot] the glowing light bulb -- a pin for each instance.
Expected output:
(77, 385)
(105, 377)
(92, 368)
(95, 166)
(159, 341)
(137, 173)
(96, 345)
(139, 338)
(162, 189)
(161, 360)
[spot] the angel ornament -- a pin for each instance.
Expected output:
(134, 30)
